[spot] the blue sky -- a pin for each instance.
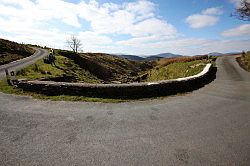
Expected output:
(140, 27)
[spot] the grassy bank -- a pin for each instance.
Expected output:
(176, 70)
(64, 70)
(244, 61)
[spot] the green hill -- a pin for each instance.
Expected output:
(108, 67)
(105, 68)
(12, 51)
(87, 68)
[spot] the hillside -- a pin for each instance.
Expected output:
(105, 68)
(108, 67)
(11, 51)
(153, 58)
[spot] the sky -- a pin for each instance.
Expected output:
(138, 27)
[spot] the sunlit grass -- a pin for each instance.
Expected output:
(64, 67)
(245, 60)
(176, 70)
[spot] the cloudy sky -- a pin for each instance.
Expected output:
(140, 27)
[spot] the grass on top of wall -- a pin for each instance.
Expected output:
(176, 70)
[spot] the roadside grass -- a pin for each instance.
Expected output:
(5, 88)
(244, 61)
(63, 70)
(176, 70)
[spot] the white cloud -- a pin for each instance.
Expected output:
(30, 21)
(187, 46)
(90, 38)
(40, 11)
(50, 23)
(208, 17)
(213, 11)
(134, 18)
(201, 21)
(242, 30)
(153, 27)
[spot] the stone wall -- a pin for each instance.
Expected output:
(128, 91)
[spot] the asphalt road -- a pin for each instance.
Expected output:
(210, 126)
(17, 65)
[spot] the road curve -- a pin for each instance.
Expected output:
(17, 65)
(210, 126)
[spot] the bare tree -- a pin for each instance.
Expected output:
(74, 43)
(243, 11)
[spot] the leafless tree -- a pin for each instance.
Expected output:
(74, 43)
(243, 11)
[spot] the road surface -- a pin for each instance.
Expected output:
(210, 126)
(40, 53)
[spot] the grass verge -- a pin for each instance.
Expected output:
(244, 61)
(64, 70)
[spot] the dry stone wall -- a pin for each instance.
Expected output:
(128, 91)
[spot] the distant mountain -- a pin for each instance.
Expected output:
(153, 58)
(233, 53)
(167, 55)
(160, 56)
(131, 57)
(215, 54)
(148, 58)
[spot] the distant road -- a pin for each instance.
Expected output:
(210, 126)
(40, 53)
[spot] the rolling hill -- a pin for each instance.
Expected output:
(108, 67)
(12, 51)
(131, 57)
(215, 54)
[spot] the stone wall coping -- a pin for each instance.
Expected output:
(134, 84)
